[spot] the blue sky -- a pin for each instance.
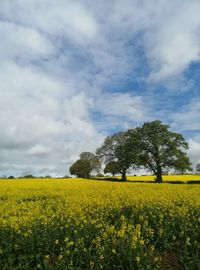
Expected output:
(73, 72)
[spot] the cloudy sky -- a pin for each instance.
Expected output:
(73, 72)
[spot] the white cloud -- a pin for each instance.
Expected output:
(194, 150)
(22, 42)
(58, 60)
(173, 42)
(171, 31)
(43, 122)
(38, 150)
(123, 104)
(59, 18)
(188, 118)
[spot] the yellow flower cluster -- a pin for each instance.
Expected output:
(88, 224)
(181, 178)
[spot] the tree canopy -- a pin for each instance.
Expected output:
(87, 163)
(153, 147)
(183, 164)
(112, 167)
(159, 148)
(114, 148)
(81, 168)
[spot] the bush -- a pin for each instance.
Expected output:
(11, 177)
(99, 175)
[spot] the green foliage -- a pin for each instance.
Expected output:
(87, 163)
(114, 148)
(183, 163)
(198, 167)
(99, 175)
(152, 146)
(81, 168)
(112, 167)
(11, 177)
(28, 176)
(95, 164)
(159, 148)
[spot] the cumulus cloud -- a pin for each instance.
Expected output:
(64, 65)
(122, 104)
(38, 150)
(174, 42)
(22, 42)
(188, 118)
(53, 17)
(121, 110)
(194, 150)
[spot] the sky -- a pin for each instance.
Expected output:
(73, 72)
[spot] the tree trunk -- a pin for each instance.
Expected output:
(159, 175)
(124, 179)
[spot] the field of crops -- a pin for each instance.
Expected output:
(182, 178)
(87, 224)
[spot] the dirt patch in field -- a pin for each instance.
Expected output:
(169, 261)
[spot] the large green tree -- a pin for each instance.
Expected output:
(160, 148)
(115, 148)
(85, 165)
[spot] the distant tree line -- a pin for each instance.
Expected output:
(152, 146)
(30, 176)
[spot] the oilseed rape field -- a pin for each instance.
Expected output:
(88, 224)
(172, 178)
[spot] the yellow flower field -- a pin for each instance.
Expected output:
(184, 177)
(88, 224)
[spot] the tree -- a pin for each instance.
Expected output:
(112, 167)
(87, 163)
(114, 148)
(183, 163)
(81, 168)
(11, 177)
(28, 176)
(160, 149)
(92, 159)
(198, 167)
